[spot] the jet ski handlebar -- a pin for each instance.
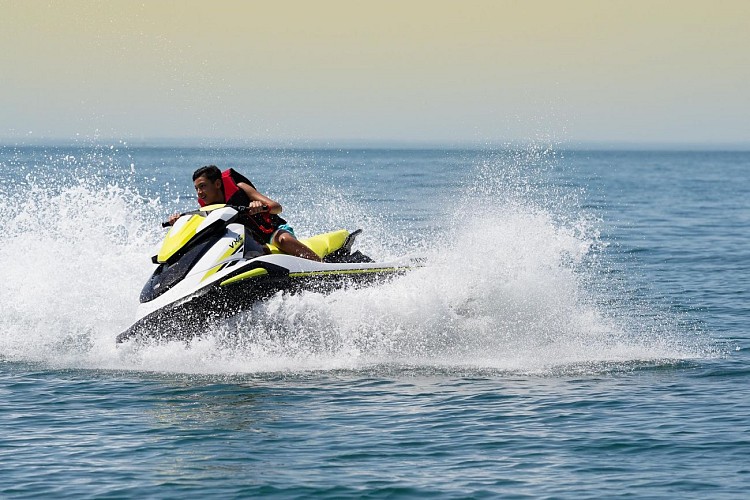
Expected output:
(239, 209)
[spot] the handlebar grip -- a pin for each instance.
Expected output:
(165, 224)
(243, 209)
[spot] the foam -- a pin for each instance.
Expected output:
(512, 285)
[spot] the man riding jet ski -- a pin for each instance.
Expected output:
(210, 267)
(214, 186)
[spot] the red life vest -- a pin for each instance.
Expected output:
(262, 225)
(230, 189)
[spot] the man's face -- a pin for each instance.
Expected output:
(209, 192)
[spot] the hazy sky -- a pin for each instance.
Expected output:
(437, 71)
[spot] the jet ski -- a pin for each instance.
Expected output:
(209, 268)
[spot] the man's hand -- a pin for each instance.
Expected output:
(173, 218)
(256, 207)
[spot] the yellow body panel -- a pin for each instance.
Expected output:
(176, 239)
(253, 273)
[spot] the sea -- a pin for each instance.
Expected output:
(579, 328)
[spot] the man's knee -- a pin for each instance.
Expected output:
(284, 239)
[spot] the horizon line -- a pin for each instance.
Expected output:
(343, 143)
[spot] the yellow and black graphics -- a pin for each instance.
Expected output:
(234, 247)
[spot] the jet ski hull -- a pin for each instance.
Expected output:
(193, 315)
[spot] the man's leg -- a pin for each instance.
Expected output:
(291, 245)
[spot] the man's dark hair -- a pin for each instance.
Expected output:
(211, 172)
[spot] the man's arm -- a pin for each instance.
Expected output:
(258, 200)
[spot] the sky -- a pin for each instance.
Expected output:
(433, 71)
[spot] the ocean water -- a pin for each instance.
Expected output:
(580, 329)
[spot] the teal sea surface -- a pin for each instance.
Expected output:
(580, 329)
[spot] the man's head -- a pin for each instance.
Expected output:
(208, 185)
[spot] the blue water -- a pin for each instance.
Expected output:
(580, 329)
